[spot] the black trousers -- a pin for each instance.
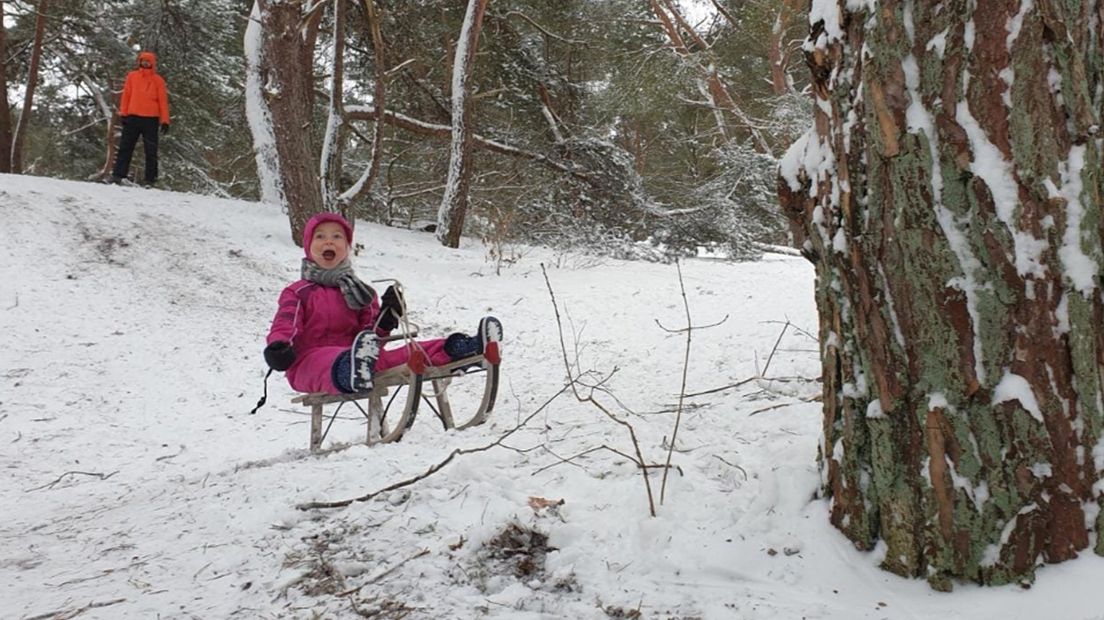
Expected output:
(134, 126)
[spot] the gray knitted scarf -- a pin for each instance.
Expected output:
(357, 294)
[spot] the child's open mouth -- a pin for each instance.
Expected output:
(329, 254)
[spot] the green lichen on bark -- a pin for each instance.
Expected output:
(965, 483)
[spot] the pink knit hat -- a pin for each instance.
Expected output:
(322, 218)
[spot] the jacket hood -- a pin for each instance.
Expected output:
(150, 56)
(322, 218)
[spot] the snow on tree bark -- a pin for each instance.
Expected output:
(279, 44)
(367, 179)
(329, 172)
(257, 112)
(454, 202)
(949, 196)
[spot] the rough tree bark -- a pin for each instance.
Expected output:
(280, 43)
(5, 107)
(20, 135)
(950, 197)
(454, 202)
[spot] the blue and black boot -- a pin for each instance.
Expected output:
(459, 346)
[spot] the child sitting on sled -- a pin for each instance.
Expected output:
(327, 329)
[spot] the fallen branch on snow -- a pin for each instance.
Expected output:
(65, 614)
(73, 473)
(439, 466)
(570, 459)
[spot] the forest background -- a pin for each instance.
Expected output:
(637, 128)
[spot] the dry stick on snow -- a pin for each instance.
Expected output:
(570, 460)
(758, 375)
(384, 573)
(73, 613)
(590, 399)
(811, 399)
(742, 470)
(50, 485)
(803, 332)
(722, 388)
(439, 466)
(171, 456)
(775, 348)
(685, 367)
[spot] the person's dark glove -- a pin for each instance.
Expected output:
(279, 355)
(164, 128)
(391, 308)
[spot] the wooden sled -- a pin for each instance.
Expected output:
(411, 376)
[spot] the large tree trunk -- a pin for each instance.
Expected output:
(5, 107)
(454, 203)
(950, 197)
(20, 134)
(279, 45)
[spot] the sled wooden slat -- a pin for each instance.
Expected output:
(379, 431)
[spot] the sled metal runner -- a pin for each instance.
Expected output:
(412, 376)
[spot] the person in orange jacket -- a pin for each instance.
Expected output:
(143, 106)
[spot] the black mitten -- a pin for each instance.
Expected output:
(391, 308)
(279, 355)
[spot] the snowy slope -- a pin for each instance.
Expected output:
(139, 487)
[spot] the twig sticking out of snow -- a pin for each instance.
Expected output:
(689, 329)
(572, 383)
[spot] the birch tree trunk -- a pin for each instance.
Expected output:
(329, 172)
(454, 203)
(279, 45)
(5, 107)
(950, 197)
(20, 135)
(363, 185)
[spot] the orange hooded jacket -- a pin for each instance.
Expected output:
(144, 93)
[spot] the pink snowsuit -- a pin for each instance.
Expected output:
(320, 326)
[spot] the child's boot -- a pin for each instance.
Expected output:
(458, 346)
(365, 352)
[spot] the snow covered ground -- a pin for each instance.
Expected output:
(136, 484)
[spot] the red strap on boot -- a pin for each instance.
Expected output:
(491, 353)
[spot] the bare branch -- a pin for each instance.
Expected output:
(439, 466)
(72, 613)
(682, 389)
(812, 399)
(690, 328)
(775, 348)
(590, 399)
(722, 388)
(543, 30)
(51, 485)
